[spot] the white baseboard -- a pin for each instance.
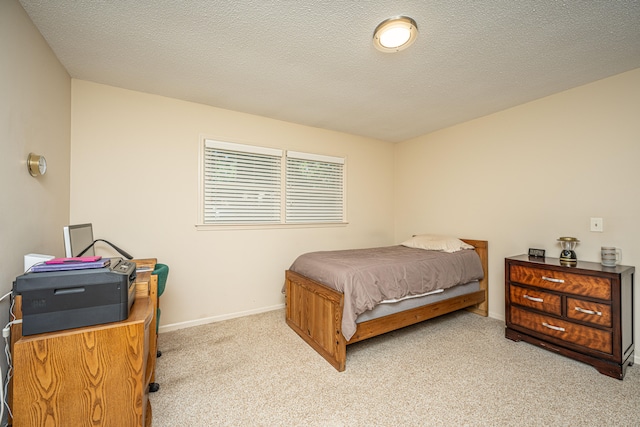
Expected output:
(207, 320)
(494, 315)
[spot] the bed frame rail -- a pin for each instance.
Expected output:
(381, 325)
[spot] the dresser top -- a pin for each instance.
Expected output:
(581, 265)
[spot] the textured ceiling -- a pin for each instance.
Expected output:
(313, 62)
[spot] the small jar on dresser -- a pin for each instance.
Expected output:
(584, 311)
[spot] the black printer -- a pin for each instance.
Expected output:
(56, 300)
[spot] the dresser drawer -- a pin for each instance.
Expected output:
(540, 300)
(595, 287)
(598, 314)
(591, 338)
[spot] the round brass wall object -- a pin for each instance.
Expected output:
(37, 164)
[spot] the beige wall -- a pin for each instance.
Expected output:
(519, 178)
(525, 176)
(135, 177)
(35, 110)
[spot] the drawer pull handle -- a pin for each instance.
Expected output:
(555, 328)
(534, 299)
(551, 279)
(585, 311)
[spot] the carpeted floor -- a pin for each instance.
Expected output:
(457, 370)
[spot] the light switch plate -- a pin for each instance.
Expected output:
(596, 224)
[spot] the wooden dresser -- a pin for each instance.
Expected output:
(584, 312)
(92, 376)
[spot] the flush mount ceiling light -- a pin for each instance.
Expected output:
(395, 34)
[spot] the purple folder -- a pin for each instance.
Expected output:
(40, 268)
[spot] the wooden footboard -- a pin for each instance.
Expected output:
(314, 311)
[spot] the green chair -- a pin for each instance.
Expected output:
(162, 271)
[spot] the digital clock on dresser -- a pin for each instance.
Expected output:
(584, 312)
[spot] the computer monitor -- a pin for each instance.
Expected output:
(77, 238)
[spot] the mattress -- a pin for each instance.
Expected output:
(388, 307)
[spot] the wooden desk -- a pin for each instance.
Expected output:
(147, 287)
(93, 376)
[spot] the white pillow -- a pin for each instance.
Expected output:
(432, 242)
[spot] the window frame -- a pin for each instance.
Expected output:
(225, 144)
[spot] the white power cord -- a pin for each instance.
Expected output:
(6, 332)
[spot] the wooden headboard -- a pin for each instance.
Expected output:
(482, 249)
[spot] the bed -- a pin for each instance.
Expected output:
(315, 310)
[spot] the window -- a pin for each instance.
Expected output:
(249, 185)
(314, 188)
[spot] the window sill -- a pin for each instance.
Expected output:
(218, 227)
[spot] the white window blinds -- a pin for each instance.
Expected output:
(314, 188)
(245, 184)
(242, 184)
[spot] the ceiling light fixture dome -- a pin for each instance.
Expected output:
(395, 34)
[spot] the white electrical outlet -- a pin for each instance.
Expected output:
(596, 224)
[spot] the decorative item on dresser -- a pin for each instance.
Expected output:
(584, 312)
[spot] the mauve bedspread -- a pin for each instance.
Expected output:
(368, 276)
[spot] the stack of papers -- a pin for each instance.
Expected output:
(75, 263)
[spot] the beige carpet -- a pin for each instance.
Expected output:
(453, 371)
